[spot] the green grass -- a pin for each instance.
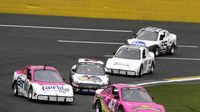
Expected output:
(177, 97)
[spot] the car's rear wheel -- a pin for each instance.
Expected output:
(121, 109)
(98, 107)
(15, 89)
(172, 49)
(151, 68)
(156, 51)
(141, 71)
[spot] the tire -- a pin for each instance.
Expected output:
(121, 109)
(151, 68)
(156, 52)
(172, 49)
(30, 94)
(98, 107)
(15, 89)
(140, 72)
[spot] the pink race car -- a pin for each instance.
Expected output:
(124, 98)
(38, 82)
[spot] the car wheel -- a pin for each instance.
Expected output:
(30, 94)
(172, 49)
(141, 71)
(15, 89)
(121, 109)
(98, 107)
(151, 68)
(156, 51)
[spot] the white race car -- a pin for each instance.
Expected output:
(131, 60)
(157, 40)
(41, 83)
(88, 75)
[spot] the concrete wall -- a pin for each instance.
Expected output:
(164, 10)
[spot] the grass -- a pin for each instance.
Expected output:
(177, 97)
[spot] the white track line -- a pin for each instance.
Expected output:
(188, 46)
(187, 59)
(114, 43)
(171, 80)
(167, 58)
(80, 29)
(90, 42)
(64, 28)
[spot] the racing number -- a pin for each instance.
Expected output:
(111, 105)
(21, 83)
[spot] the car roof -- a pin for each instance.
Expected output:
(89, 60)
(35, 67)
(123, 85)
(134, 47)
(153, 29)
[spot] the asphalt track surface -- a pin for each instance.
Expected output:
(24, 46)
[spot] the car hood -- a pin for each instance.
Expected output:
(137, 42)
(58, 89)
(124, 64)
(92, 79)
(143, 107)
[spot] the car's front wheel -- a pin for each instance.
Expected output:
(15, 89)
(30, 94)
(121, 109)
(156, 51)
(98, 107)
(151, 68)
(172, 49)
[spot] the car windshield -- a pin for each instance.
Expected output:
(147, 35)
(47, 76)
(128, 53)
(135, 95)
(90, 69)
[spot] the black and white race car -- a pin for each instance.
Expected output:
(88, 75)
(157, 40)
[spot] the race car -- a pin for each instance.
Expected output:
(124, 98)
(131, 60)
(88, 75)
(41, 82)
(157, 40)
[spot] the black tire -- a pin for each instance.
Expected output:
(98, 107)
(15, 89)
(121, 109)
(30, 93)
(156, 51)
(171, 51)
(140, 72)
(151, 68)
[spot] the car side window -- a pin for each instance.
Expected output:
(28, 73)
(108, 90)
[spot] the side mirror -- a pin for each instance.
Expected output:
(113, 53)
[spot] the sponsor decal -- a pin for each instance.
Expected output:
(145, 107)
(122, 64)
(90, 78)
(60, 89)
(139, 43)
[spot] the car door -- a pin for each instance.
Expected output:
(163, 41)
(109, 100)
(145, 60)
